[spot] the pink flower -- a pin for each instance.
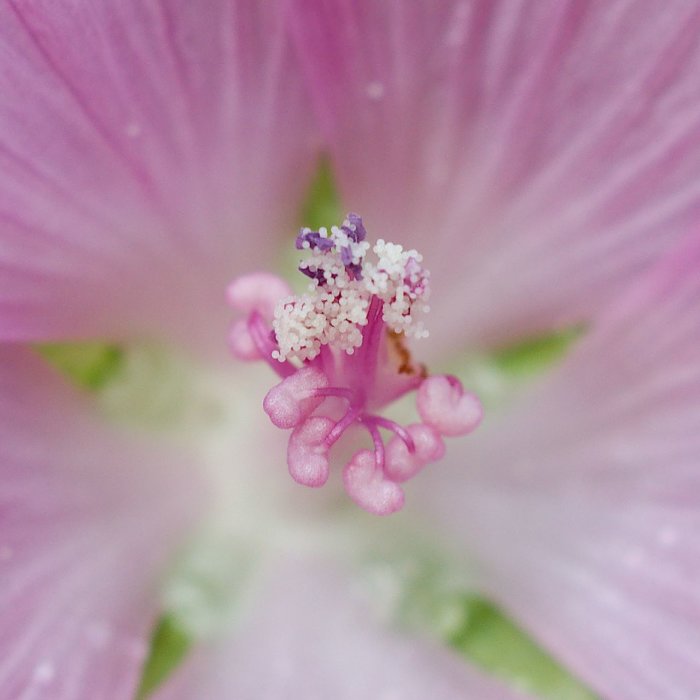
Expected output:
(544, 159)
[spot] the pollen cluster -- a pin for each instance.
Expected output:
(344, 281)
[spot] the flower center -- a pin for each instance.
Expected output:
(340, 351)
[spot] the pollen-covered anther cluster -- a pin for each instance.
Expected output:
(334, 309)
(338, 351)
(402, 283)
(304, 324)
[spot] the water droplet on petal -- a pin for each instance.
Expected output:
(44, 673)
(375, 90)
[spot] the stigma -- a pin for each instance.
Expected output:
(341, 352)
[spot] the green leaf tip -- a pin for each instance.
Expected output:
(90, 365)
(169, 646)
(492, 641)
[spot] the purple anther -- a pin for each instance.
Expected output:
(315, 240)
(346, 256)
(313, 273)
(354, 270)
(356, 231)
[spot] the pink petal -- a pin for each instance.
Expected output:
(583, 506)
(539, 154)
(149, 151)
(310, 635)
(87, 522)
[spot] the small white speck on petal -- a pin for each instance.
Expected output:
(44, 673)
(133, 130)
(375, 90)
(667, 536)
